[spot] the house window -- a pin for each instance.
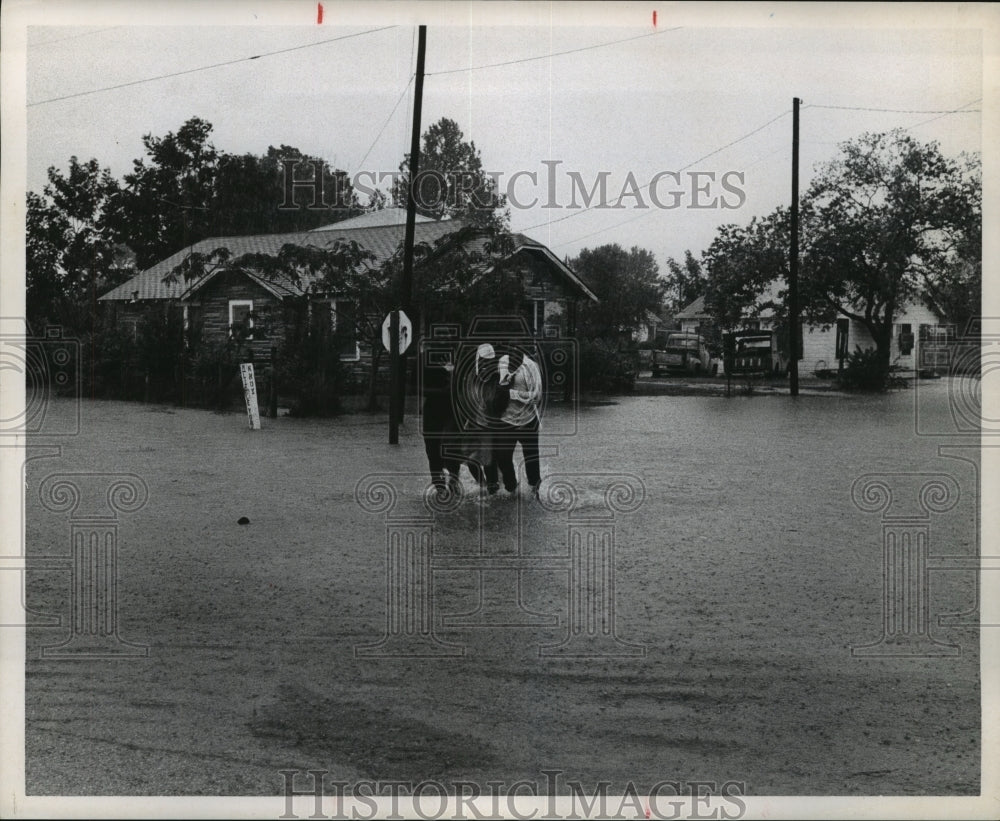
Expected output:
(539, 316)
(905, 339)
(843, 338)
(241, 315)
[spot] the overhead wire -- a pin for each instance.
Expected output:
(684, 168)
(207, 68)
(551, 54)
(939, 112)
(388, 119)
(962, 110)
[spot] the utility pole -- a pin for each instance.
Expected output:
(397, 364)
(793, 261)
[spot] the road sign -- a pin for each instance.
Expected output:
(405, 331)
(250, 394)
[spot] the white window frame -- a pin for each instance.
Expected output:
(538, 325)
(235, 303)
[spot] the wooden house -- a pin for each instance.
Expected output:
(227, 298)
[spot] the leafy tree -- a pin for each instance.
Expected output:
(741, 263)
(628, 285)
(888, 220)
(185, 190)
(684, 282)
(276, 193)
(165, 202)
(71, 253)
(451, 181)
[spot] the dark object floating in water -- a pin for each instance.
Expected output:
(243, 520)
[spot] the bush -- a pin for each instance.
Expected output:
(865, 372)
(604, 368)
(310, 372)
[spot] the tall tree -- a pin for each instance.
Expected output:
(741, 263)
(685, 282)
(185, 190)
(628, 285)
(71, 253)
(283, 190)
(451, 181)
(887, 221)
(165, 202)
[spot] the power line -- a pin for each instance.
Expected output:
(933, 119)
(206, 68)
(553, 54)
(406, 88)
(962, 110)
(685, 168)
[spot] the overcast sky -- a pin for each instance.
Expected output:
(648, 105)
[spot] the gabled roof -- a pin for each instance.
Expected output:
(382, 241)
(523, 244)
(693, 310)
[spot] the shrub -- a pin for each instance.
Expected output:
(309, 370)
(865, 371)
(604, 368)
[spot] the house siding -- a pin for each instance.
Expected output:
(210, 312)
(819, 345)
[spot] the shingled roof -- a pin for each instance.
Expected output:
(382, 241)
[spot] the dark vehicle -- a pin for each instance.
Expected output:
(681, 352)
(749, 352)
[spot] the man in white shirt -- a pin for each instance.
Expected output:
(520, 420)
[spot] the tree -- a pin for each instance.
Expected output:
(71, 253)
(628, 285)
(185, 190)
(740, 265)
(888, 221)
(450, 180)
(165, 203)
(684, 282)
(277, 193)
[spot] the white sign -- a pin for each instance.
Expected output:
(405, 331)
(250, 394)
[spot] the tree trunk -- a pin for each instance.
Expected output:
(883, 348)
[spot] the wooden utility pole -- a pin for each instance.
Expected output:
(397, 364)
(793, 261)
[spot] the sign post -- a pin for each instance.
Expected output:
(397, 331)
(250, 394)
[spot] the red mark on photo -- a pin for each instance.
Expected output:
(319, 14)
(654, 26)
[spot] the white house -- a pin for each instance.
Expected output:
(918, 334)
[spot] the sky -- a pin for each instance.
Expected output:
(630, 97)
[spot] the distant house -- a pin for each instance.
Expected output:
(693, 318)
(229, 296)
(917, 327)
(648, 328)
